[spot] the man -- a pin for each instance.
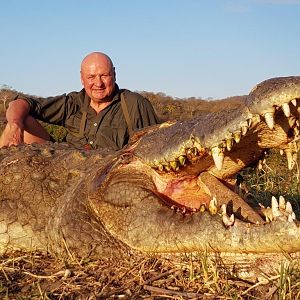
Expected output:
(99, 116)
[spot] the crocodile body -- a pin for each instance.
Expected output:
(158, 194)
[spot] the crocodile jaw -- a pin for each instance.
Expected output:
(269, 119)
(142, 219)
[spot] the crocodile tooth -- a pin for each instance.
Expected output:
(197, 139)
(218, 157)
(281, 151)
(156, 164)
(282, 204)
(160, 167)
(269, 118)
(228, 221)
(293, 216)
(237, 136)
(213, 206)
(174, 165)
(222, 146)
(296, 131)
(231, 218)
(267, 212)
(197, 143)
(244, 127)
(286, 109)
(289, 208)
(290, 218)
(181, 160)
(194, 150)
(249, 121)
(292, 121)
(229, 143)
(290, 211)
(223, 209)
(202, 208)
(275, 207)
(294, 102)
(290, 158)
(168, 167)
(255, 119)
(244, 130)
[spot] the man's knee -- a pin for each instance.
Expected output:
(34, 132)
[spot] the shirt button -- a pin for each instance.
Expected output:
(91, 142)
(95, 124)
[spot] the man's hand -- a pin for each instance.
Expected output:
(16, 114)
(13, 134)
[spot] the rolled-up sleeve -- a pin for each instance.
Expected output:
(51, 109)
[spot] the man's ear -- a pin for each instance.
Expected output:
(114, 72)
(81, 79)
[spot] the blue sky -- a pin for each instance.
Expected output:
(183, 48)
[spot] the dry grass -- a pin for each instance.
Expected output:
(40, 276)
(274, 179)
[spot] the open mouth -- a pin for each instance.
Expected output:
(184, 193)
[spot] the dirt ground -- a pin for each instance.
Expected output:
(41, 276)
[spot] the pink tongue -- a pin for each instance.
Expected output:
(183, 192)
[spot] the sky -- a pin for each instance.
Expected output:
(183, 48)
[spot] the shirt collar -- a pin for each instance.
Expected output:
(116, 96)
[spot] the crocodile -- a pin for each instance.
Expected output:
(167, 192)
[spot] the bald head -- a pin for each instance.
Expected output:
(98, 77)
(96, 57)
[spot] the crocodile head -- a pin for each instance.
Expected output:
(168, 192)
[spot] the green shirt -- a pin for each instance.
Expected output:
(107, 129)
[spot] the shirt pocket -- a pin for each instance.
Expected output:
(73, 125)
(113, 137)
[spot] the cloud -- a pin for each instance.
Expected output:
(237, 7)
(280, 2)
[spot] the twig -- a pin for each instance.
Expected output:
(57, 274)
(12, 260)
(169, 292)
(261, 283)
(72, 257)
(154, 278)
(5, 275)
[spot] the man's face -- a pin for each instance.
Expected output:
(98, 79)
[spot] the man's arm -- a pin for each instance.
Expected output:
(13, 133)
